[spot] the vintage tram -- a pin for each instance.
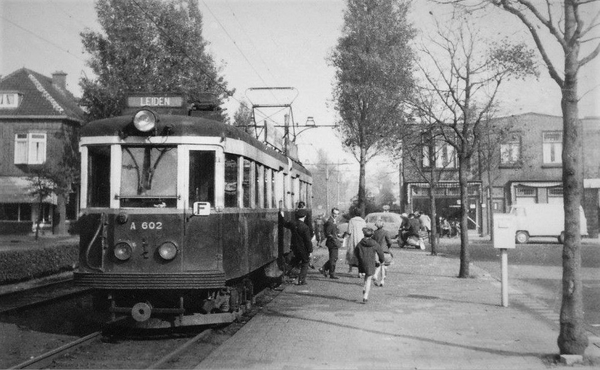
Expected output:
(180, 212)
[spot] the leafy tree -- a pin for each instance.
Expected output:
(463, 80)
(386, 192)
(243, 116)
(41, 186)
(57, 178)
(373, 62)
(147, 46)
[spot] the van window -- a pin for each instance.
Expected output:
(518, 211)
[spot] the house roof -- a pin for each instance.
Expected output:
(40, 97)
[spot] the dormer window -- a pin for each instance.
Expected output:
(9, 100)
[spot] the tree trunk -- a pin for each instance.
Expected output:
(39, 219)
(572, 338)
(362, 193)
(464, 203)
(433, 236)
(60, 215)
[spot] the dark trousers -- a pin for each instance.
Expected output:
(303, 271)
(330, 264)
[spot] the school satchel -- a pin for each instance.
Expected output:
(388, 259)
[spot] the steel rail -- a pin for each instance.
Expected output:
(158, 364)
(45, 358)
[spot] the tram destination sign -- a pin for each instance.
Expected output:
(157, 101)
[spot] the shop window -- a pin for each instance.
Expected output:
(15, 211)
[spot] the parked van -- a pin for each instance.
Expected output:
(542, 219)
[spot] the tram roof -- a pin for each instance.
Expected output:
(179, 125)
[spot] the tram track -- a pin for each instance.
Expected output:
(121, 347)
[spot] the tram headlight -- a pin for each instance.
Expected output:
(144, 120)
(167, 251)
(122, 251)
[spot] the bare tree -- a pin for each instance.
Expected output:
(572, 25)
(567, 25)
(464, 81)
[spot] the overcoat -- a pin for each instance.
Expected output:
(365, 253)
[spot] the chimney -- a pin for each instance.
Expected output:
(59, 79)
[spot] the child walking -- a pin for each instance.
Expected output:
(366, 252)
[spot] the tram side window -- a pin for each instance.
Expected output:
(231, 177)
(202, 176)
(302, 195)
(246, 183)
(266, 172)
(99, 176)
(274, 176)
(257, 170)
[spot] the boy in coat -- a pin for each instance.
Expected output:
(366, 252)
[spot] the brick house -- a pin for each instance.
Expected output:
(37, 114)
(525, 167)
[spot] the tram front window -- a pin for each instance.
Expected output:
(149, 177)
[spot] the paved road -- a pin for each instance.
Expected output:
(536, 269)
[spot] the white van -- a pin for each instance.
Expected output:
(542, 219)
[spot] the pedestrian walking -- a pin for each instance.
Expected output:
(300, 243)
(444, 227)
(383, 239)
(403, 231)
(366, 253)
(425, 222)
(320, 229)
(354, 236)
(333, 244)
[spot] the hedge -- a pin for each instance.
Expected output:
(19, 265)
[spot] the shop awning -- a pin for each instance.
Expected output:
(18, 190)
(538, 184)
(443, 184)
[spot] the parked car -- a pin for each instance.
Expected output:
(542, 219)
(391, 222)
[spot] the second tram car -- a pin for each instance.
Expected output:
(179, 212)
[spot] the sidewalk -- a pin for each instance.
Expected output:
(424, 318)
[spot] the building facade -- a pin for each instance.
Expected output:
(521, 162)
(38, 118)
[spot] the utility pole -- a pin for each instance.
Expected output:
(326, 188)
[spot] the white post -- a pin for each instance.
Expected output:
(504, 277)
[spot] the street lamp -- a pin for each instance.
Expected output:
(310, 123)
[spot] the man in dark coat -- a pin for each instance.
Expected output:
(300, 243)
(333, 244)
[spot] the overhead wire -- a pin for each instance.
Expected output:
(166, 34)
(42, 38)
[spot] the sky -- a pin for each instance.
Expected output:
(260, 43)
